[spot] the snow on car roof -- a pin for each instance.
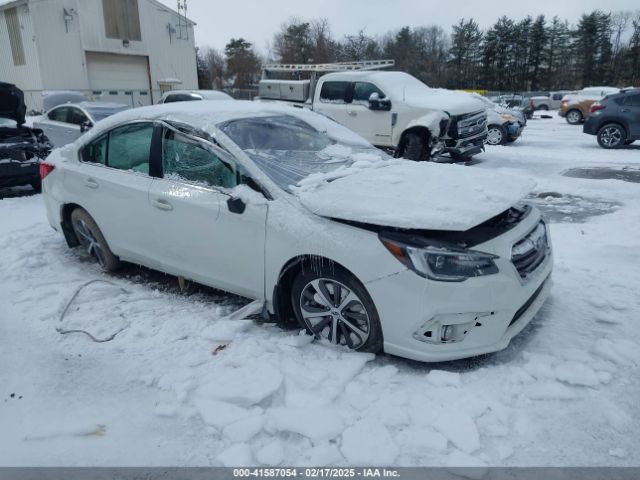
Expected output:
(206, 115)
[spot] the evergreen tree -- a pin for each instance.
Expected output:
(243, 64)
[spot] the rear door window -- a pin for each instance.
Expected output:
(334, 92)
(129, 147)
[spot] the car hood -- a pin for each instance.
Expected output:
(12, 103)
(410, 195)
(454, 103)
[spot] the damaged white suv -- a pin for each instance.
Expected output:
(427, 261)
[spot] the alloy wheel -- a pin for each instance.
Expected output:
(88, 241)
(333, 311)
(611, 136)
(573, 117)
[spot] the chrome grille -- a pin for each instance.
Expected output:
(468, 125)
(529, 252)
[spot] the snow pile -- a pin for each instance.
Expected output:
(183, 384)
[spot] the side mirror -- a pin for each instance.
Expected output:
(236, 205)
(377, 103)
(84, 126)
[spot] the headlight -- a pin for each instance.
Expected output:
(507, 117)
(438, 261)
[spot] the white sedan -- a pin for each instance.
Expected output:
(65, 123)
(426, 261)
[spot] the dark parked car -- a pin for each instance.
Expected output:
(615, 119)
(21, 148)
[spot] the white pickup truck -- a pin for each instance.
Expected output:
(393, 110)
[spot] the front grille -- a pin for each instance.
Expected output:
(468, 125)
(529, 252)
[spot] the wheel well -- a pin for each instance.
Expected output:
(67, 229)
(422, 131)
(283, 309)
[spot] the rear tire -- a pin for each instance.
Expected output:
(416, 147)
(611, 136)
(543, 107)
(92, 241)
(331, 303)
(574, 117)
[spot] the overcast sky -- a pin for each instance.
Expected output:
(257, 20)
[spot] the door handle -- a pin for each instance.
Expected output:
(625, 110)
(352, 113)
(91, 183)
(162, 205)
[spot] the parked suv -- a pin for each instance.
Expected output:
(575, 107)
(616, 119)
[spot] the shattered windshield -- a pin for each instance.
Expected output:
(288, 149)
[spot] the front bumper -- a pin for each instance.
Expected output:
(491, 310)
(514, 130)
(466, 146)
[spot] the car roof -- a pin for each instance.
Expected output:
(202, 115)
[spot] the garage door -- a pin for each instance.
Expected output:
(119, 78)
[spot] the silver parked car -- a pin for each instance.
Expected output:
(65, 123)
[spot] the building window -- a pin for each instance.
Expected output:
(15, 36)
(121, 19)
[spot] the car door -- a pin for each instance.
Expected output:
(373, 124)
(332, 100)
(111, 181)
(55, 126)
(196, 233)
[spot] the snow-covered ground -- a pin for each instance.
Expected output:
(180, 385)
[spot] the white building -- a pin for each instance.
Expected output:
(127, 51)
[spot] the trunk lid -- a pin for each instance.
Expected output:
(12, 103)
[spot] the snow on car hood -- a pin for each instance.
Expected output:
(416, 94)
(404, 194)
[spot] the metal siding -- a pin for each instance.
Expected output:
(27, 76)
(59, 63)
(59, 45)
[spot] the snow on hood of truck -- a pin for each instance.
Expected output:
(400, 86)
(402, 194)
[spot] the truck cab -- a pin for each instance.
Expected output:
(392, 110)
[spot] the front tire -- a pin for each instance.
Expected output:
(543, 107)
(331, 303)
(416, 147)
(574, 117)
(611, 136)
(496, 135)
(92, 241)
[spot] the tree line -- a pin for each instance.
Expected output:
(512, 55)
